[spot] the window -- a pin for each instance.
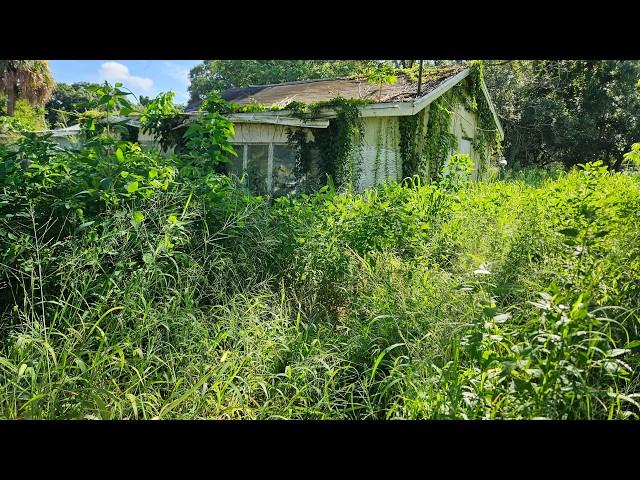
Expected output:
(236, 167)
(464, 146)
(284, 165)
(269, 167)
(258, 168)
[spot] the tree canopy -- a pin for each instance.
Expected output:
(568, 111)
(69, 98)
(27, 79)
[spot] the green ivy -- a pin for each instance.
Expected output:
(438, 140)
(487, 139)
(408, 127)
(340, 143)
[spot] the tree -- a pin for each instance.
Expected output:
(217, 75)
(70, 99)
(568, 111)
(379, 74)
(30, 79)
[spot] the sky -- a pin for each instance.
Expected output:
(142, 77)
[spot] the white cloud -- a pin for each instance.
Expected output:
(117, 72)
(177, 72)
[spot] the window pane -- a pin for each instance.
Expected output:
(235, 167)
(257, 166)
(284, 164)
(464, 146)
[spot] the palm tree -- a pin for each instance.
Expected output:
(30, 79)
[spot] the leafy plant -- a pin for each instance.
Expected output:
(379, 74)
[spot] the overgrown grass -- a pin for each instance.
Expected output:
(499, 300)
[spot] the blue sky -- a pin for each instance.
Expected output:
(142, 77)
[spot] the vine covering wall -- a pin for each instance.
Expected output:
(424, 151)
(424, 141)
(339, 145)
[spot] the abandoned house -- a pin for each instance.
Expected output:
(399, 130)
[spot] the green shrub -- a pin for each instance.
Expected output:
(140, 285)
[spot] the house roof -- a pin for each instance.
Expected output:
(307, 91)
(399, 99)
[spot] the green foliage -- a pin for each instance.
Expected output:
(567, 111)
(108, 116)
(161, 118)
(68, 100)
(207, 143)
(487, 141)
(25, 119)
(339, 144)
(457, 170)
(135, 285)
(633, 157)
(379, 74)
(439, 142)
(410, 128)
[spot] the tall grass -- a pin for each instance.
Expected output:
(501, 300)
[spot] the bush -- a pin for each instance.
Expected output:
(140, 285)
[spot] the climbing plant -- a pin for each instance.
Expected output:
(303, 169)
(408, 127)
(340, 143)
(438, 142)
(487, 140)
(379, 148)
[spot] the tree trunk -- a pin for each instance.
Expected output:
(11, 100)
(617, 166)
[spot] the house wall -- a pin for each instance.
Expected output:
(380, 156)
(464, 125)
(382, 135)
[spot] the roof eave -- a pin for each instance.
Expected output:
(493, 110)
(400, 109)
(389, 109)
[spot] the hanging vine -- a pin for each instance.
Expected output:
(394, 141)
(341, 142)
(408, 128)
(438, 139)
(379, 145)
(487, 141)
(302, 171)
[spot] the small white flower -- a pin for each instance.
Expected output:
(482, 270)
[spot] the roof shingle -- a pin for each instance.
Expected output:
(404, 90)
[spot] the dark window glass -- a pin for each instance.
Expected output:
(257, 167)
(235, 167)
(284, 164)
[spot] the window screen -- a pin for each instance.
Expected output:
(284, 164)
(235, 167)
(257, 168)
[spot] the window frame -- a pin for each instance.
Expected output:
(245, 159)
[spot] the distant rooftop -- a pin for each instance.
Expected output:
(307, 91)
